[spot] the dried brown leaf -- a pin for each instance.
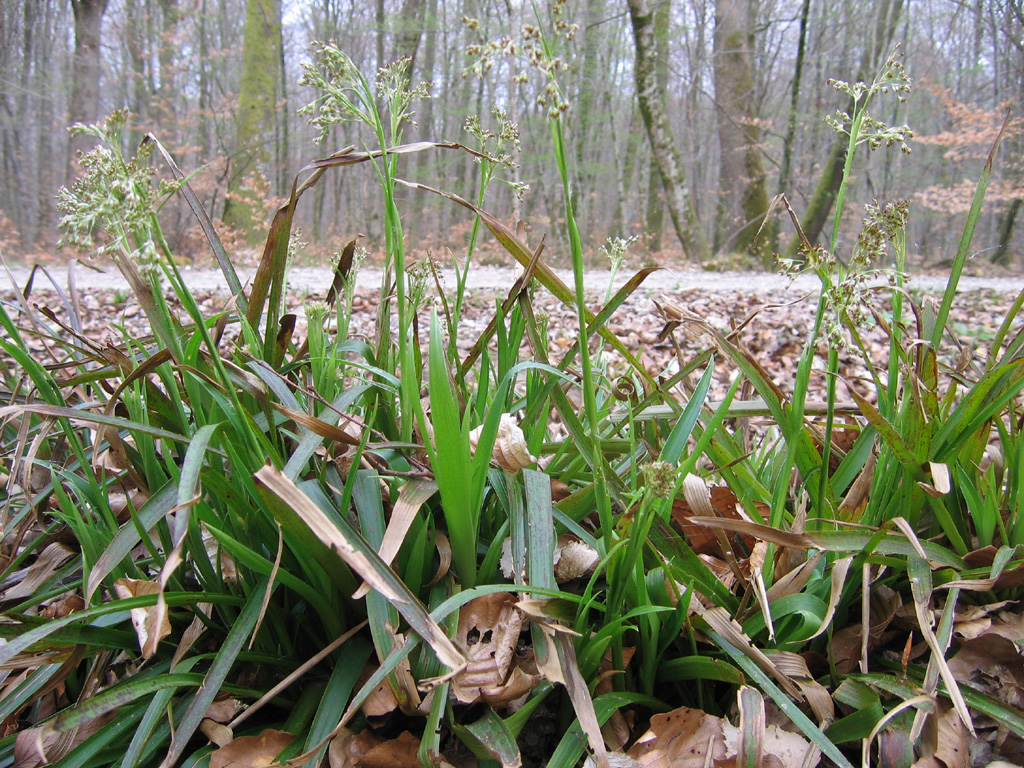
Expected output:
(991, 664)
(42, 745)
(489, 628)
(412, 496)
(510, 449)
(217, 733)
(574, 558)
(258, 751)
(151, 624)
(42, 569)
(396, 753)
(338, 755)
(690, 738)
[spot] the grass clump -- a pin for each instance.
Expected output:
(255, 541)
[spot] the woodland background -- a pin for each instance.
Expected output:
(732, 99)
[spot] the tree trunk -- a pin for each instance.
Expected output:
(138, 94)
(409, 31)
(794, 99)
(254, 120)
(168, 94)
(591, 78)
(655, 212)
(85, 90)
(205, 87)
(744, 200)
(1003, 254)
(381, 31)
(628, 158)
(425, 122)
(813, 222)
(659, 132)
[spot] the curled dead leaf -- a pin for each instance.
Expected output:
(217, 733)
(338, 755)
(523, 678)
(214, 551)
(510, 449)
(993, 665)
(30, 579)
(151, 624)
(224, 710)
(691, 738)
(574, 558)
(489, 628)
(65, 606)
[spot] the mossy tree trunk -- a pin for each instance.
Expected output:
(255, 118)
(655, 213)
(586, 115)
(659, 132)
(744, 200)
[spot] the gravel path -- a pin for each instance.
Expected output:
(776, 336)
(312, 280)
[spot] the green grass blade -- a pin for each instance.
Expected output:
(677, 439)
(50, 628)
(121, 695)
(155, 509)
(223, 261)
(450, 457)
(570, 748)
(353, 549)
(791, 710)
(237, 636)
(963, 250)
(490, 738)
(699, 668)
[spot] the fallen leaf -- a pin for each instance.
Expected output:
(573, 558)
(338, 755)
(953, 747)
(691, 738)
(488, 629)
(510, 449)
(149, 625)
(993, 665)
(63, 607)
(217, 733)
(224, 710)
(705, 541)
(42, 570)
(42, 745)
(396, 753)
(682, 738)
(258, 751)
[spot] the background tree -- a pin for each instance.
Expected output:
(663, 144)
(85, 89)
(654, 218)
(743, 200)
(257, 114)
(875, 49)
(182, 69)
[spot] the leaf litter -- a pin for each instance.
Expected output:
(498, 671)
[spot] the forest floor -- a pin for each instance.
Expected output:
(779, 310)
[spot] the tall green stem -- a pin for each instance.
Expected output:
(604, 506)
